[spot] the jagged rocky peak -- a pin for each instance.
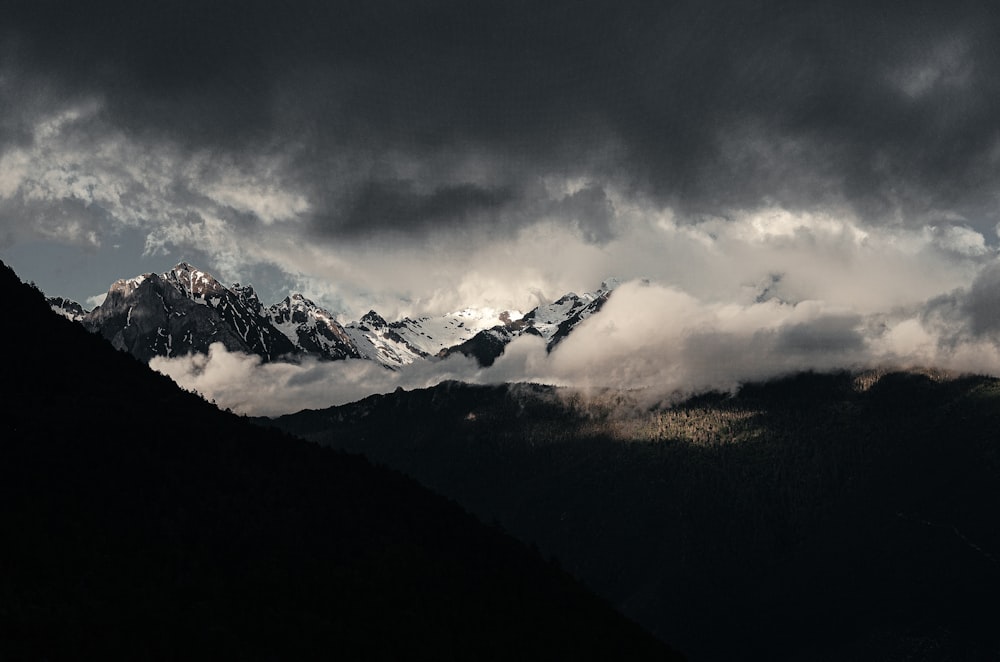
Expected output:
(194, 282)
(284, 310)
(184, 310)
(247, 296)
(373, 319)
(297, 308)
(311, 328)
(187, 309)
(126, 286)
(127, 292)
(68, 308)
(300, 301)
(552, 322)
(569, 297)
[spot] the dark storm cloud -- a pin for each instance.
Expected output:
(983, 301)
(967, 314)
(892, 109)
(398, 205)
(590, 209)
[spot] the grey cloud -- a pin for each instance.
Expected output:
(590, 209)
(724, 359)
(967, 314)
(311, 375)
(890, 108)
(656, 342)
(416, 209)
(983, 301)
(246, 385)
(398, 205)
(834, 334)
(519, 147)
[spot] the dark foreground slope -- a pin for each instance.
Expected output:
(139, 522)
(820, 517)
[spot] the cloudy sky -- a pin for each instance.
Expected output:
(831, 172)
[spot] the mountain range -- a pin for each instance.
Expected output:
(141, 522)
(186, 310)
(815, 517)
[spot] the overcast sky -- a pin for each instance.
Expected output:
(424, 156)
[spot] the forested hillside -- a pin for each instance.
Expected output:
(830, 516)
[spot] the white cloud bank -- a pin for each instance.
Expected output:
(242, 383)
(707, 304)
(657, 339)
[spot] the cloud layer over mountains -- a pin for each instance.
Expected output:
(658, 342)
(823, 172)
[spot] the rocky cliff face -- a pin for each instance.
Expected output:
(312, 329)
(68, 308)
(186, 310)
(552, 322)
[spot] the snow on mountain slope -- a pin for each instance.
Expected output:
(552, 321)
(555, 321)
(376, 340)
(186, 310)
(433, 334)
(68, 308)
(395, 344)
(312, 329)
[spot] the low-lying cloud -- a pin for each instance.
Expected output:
(242, 383)
(655, 340)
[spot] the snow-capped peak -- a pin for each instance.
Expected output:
(187, 309)
(68, 308)
(311, 328)
(195, 284)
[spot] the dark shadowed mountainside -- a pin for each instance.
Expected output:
(817, 517)
(140, 522)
